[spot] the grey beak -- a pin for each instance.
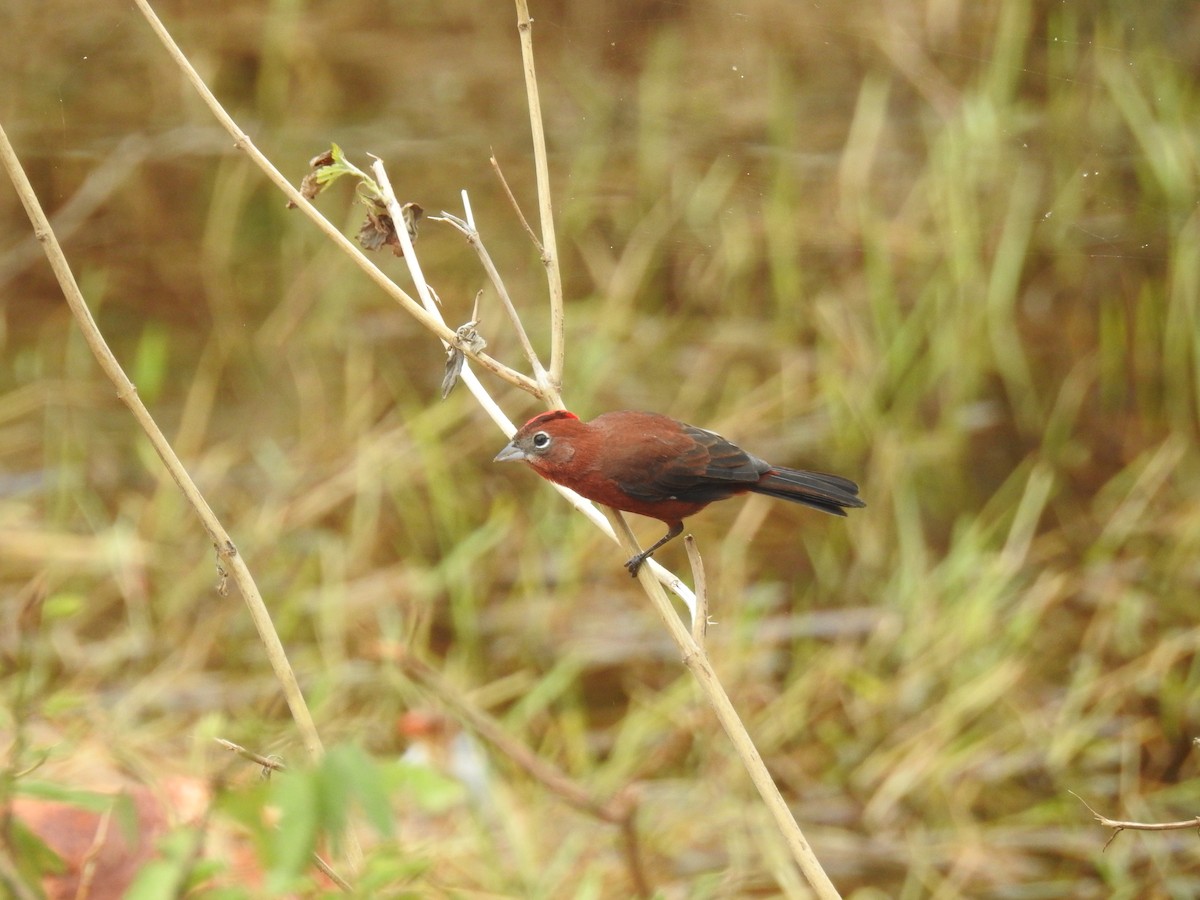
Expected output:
(509, 453)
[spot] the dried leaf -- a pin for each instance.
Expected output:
(454, 363)
(328, 158)
(324, 169)
(378, 231)
(412, 213)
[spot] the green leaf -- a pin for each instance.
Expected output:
(157, 880)
(150, 364)
(48, 790)
(364, 780)
(426, 788)
(35, 855)
(298, 798)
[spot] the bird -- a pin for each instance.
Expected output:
(652, 465)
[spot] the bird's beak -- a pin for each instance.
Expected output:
(509, 453)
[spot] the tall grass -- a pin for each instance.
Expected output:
(951, 253)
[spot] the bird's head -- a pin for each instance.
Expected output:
(546, 441)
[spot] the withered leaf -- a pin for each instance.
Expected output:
(378, 229)
(316, 180)
(322, 159)
(412, 213)
(454, 363)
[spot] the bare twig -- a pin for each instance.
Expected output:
(1119, 825)
(231, 560)
(620, 809)
(549, 242)
(697, 662)
(271, 764)
(613, 810)
(476, 242)
(693, 653)
(242, 141)
(515, 205)
(490, 406)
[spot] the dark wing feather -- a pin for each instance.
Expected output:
(699, 467)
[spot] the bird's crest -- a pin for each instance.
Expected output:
(552, 416)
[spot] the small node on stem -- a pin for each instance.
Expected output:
(466, 339)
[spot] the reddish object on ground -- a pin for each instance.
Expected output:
(101, 857)
(654, 466)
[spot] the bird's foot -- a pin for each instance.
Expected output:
(635, 564)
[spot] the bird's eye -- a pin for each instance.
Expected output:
(541, 441)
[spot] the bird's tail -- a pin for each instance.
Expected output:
(828, 493)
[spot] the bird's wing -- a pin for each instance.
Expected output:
(701, 466)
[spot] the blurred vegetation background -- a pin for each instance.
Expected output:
(948, 249)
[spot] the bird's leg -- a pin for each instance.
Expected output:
(636, 563)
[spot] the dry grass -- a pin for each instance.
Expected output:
(948, 252)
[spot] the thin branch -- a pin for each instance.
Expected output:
(620, 809)
(476, 242)
(242, 142)
(231, 560)
(549, 242)
(515, 205)
(613, 810)
(272, 764)
(1119, 825)
(693, 654)
(697, 661)
(469, 378)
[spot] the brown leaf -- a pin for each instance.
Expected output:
(378, 231)
(312, 185)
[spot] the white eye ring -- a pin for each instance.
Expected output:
(541, 441)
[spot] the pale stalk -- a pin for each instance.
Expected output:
(693, 654)
(231, 560)
(468, 230)
(697, 661)
(542, 167)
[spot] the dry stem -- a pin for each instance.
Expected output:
(697, 661)
(549, 242)
(242, 142)
(620, 809)
(1119, 825)
(231, 560)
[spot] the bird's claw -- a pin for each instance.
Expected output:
(635, 564)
